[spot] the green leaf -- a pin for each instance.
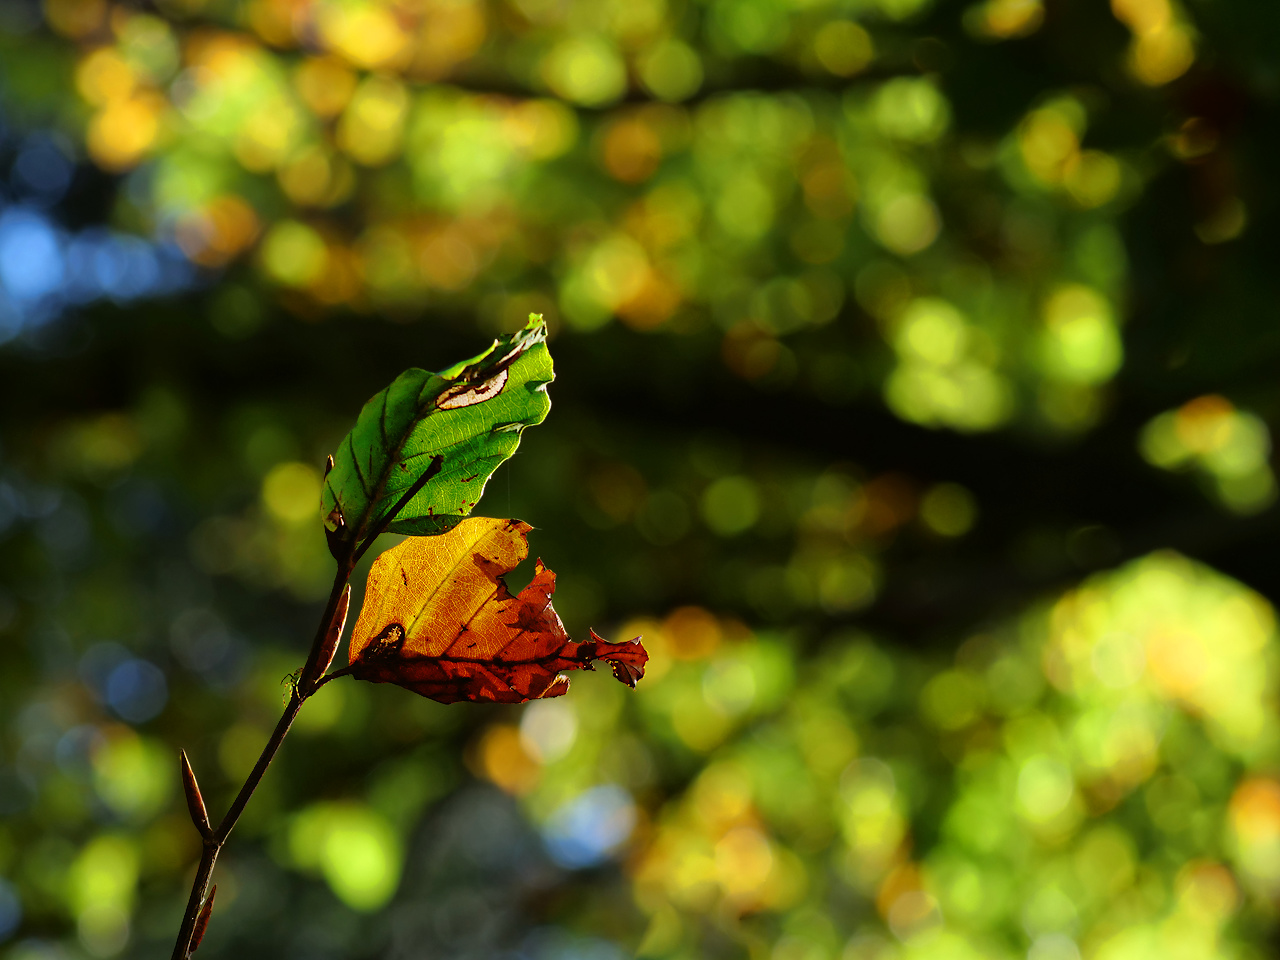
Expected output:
(467, 419)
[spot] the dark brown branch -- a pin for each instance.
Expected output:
(322, 647)
(255, 776)
(213, 845)
(208, 857)
(214, 840)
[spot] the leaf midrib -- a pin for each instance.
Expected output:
(373, 498)
(469, 551)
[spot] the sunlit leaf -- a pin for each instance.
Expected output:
(451, 429)
(438, 619)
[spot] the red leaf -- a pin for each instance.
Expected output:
(438, 619)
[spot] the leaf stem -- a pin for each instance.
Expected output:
(344, 672)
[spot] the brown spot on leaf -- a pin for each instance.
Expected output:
(468, 394)
(386, 645)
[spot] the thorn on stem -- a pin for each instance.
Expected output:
(202, 921)
(195, 802)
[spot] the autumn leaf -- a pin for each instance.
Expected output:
(436, 438)
(438, 619)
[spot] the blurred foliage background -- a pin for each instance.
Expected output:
(916, 371)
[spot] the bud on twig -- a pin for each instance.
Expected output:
(202, 921)
(328, 465)
(195, 802)
(318, 667)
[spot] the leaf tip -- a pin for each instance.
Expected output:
(626, 659)
(557, 688)
(627, 673)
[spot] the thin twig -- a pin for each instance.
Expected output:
(213, 845)
(208, 857)
(255, 776)
(214, 840)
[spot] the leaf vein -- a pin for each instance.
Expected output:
(355, 461)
